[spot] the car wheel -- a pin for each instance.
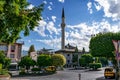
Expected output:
(105, 77)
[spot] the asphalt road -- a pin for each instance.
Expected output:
(68, 75)
(60, 75)
(89, 75)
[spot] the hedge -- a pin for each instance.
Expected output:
(95, 66)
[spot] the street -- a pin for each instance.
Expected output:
(68, 75)
(89, 75)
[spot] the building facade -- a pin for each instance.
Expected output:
(12, 51)
(72, 55)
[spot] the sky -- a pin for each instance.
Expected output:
(83, 18)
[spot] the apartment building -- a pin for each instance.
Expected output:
(12, 51)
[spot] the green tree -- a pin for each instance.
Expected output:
(33, 63)
(86, 59)
(44, 60)
(7, 63)
(26, 62)
(82, 62)
(16, 17)
(75, 59)
(58, 60)
(103, 61)
(4, 60)
(101, 45)
(2, 57)
(31, 49)
(83, 50)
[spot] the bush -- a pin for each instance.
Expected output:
(35, 69)
(95, 66)
(22, 71)
(58, 60)
(0, 66)
(3, 71)
(85, 60)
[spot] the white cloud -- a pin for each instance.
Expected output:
(51, 28)
(54, 18)
(47, 18)
(29, 41)
(97, 6)
(41, 28)
(77, 35)
(45, 2)
(111, 8)
(49, 7)
(54, 43)
(62, 1)
(25, 48)
(80, 34)
(30, 6)
(89, 4)
(51, 3)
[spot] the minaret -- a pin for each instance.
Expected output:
(63, 30)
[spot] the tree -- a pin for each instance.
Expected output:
(82, 62)
(31, 49)
(83, 50)
(101, 45)
(4, 60)
(44, 60)
(16, 17)
(103, 60)
(26, 62)
(75, 58)
(7, 63)
(86, 59)
(58, 60)
(33, 63)
(2, 57)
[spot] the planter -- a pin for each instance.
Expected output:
(4, 77)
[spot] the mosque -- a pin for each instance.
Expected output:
(71, 53)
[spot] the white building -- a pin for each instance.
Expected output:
(70, 53)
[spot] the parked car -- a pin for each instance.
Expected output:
(50, 69)
(109, 72)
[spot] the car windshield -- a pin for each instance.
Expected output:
(109, 70)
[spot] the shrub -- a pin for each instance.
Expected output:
(22, 71)
(95, 66)
(35, 69)
(85, 60)
(3, 71)
(44, 60)
(0, 66)
(58, 60)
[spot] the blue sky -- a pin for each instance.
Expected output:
(82, 17)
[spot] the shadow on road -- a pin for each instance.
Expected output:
(102, 78)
